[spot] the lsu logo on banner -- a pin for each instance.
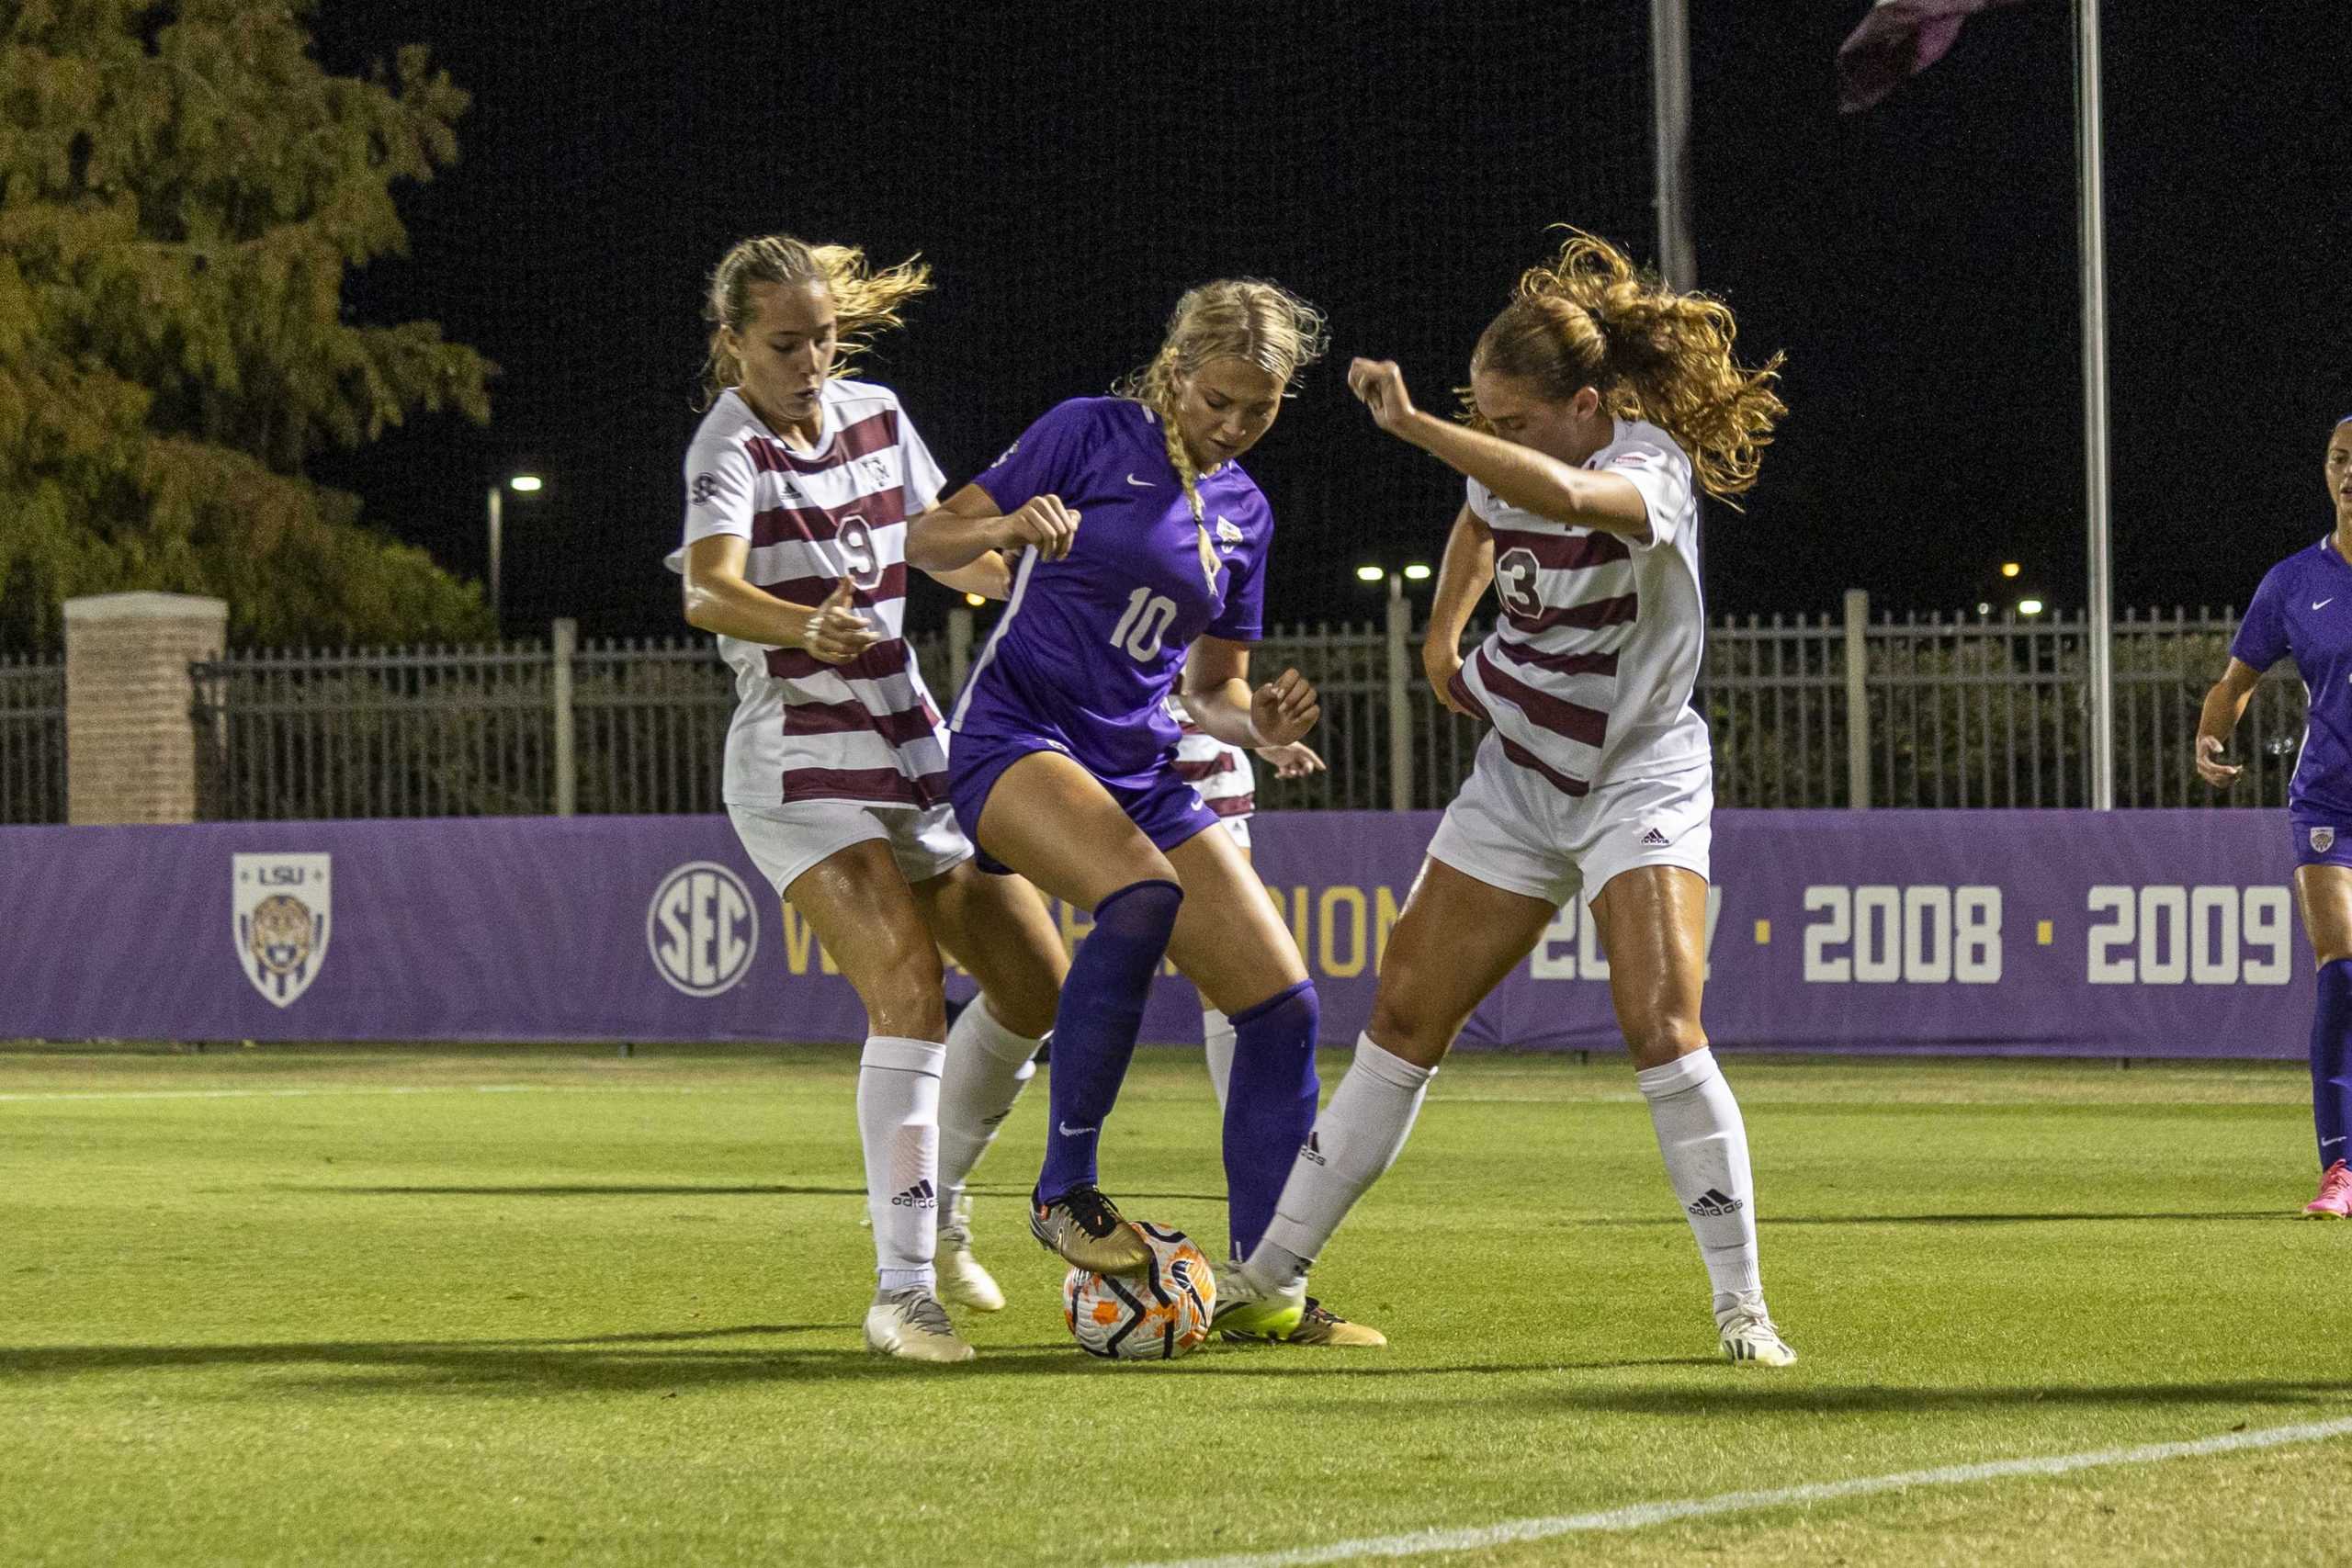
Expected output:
(279, 915)
(701, 928)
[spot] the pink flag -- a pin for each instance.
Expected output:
(1899, 39)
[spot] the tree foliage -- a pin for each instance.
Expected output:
(182, 189)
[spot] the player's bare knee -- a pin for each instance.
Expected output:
(1666, 1040)
(904, 994)
(1411, 1032)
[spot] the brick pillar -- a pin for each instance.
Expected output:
(129, 733)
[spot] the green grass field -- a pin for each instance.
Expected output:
(557, 1307)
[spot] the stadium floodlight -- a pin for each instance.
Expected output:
(2029, 607)
(524, 484)
(2010, 569)
(1369, 574)
(1416, 572)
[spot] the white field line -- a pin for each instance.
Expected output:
(352, 1089)
(1471, 1538)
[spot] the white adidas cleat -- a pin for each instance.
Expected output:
(1749, 1337)
(962, 1281)
(913, 1326)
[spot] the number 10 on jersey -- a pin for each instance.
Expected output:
(1146, 621)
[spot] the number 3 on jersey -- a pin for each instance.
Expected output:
(1146, 621)
(1515, 581)
(858, 554)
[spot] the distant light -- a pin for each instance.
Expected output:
(2029, 607)
(974, 600)
(2010, 569)
(1416, 572)
(1983, 608)
(525, 483)
(1369, 574)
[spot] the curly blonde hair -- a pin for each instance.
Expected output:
(865, 299)
(1242, 318)
(1590, 319)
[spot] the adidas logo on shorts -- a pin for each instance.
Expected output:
(1653, 840)
(919, 1196)
(1713, 1202)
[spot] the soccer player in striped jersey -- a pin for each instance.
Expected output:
(799, 483)
(1596, 399)
(1063, 766)
(2300, 612)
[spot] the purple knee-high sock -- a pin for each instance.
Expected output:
(1094, 1026)
(1270, 1107)
(2330, 1069)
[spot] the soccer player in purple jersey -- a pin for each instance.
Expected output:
(2303, 610)
(1063, 763)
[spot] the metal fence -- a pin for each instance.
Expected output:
(1805, 711)
(32, 740)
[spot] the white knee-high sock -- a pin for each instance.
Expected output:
(1356, 1138)
(1217, 1039)
(1705, 1146)
(988, 1066)
(898, 1120)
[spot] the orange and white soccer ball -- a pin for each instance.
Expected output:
(1153, 1317)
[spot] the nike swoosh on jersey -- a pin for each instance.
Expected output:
(1139, 484)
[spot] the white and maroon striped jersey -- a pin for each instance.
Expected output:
(1587, 674)
(1221, 772)
(863, 731)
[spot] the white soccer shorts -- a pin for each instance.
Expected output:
(1512, 830)
(785, 840)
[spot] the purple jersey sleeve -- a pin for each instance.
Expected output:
(1048, 457)
(1244, 617)
(2261, 641)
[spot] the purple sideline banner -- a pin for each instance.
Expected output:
(2155, 933)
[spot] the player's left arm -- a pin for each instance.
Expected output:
(1581, 498)
(1218, 696)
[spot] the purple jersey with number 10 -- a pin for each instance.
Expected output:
(1091, 645)
(2303, 609)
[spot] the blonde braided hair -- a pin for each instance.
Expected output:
(866, 301)
(1258, 323)
(1590, 319)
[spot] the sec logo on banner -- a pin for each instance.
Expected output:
(701, 928)
(278, 916)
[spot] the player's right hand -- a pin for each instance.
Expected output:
(1044, 524)
(2210, 766)
(1442, 664)
(836, 632)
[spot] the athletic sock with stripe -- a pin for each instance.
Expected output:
(1706, 1145)
(898, 1121)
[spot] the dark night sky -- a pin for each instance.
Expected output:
(1068, 169)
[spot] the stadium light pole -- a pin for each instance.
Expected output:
(2092, 197)
(521, 484)
(1678, 258)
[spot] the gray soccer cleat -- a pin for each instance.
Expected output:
(913, 1326)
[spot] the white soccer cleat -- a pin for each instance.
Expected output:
(1748, 1336)
(913, 1326)
(962, 1281)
